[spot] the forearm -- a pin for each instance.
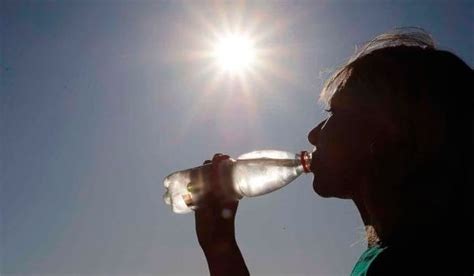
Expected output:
(225, 258)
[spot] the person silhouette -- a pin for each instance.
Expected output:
(398, 143)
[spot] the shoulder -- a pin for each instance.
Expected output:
(415, 260)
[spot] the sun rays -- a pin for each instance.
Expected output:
(233, 53)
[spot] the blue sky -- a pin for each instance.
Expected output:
(100, 100)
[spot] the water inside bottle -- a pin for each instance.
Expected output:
(254, 177)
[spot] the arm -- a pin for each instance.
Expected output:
(216, 235)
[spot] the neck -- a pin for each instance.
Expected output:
(386, 222)
(370, 232)
(379, 220)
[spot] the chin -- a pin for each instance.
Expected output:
(326, 189)
(319, 191)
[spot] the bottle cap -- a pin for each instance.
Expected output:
(305, 158)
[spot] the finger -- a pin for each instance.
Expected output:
(219, 157)
(229, 209)
(215, 184)
(209, 200)
(230, 205)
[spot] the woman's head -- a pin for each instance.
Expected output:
(401, 123)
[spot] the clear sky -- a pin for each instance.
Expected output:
(100, 100)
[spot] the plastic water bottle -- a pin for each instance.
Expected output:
(252, 174)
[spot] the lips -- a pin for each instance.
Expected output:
(314, 161)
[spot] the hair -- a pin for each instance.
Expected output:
(426, 92)
(412, 36)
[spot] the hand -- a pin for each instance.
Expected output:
(215, 228)
(215, 216)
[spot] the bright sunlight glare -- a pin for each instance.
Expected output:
(234, 53)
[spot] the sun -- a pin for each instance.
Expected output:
(233, 56)
(234, 53)
(234, 48)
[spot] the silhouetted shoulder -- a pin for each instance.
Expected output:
(420, 259)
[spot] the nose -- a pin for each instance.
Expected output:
(313, 135)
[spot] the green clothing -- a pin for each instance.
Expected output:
(363, 264)
(415, 258)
